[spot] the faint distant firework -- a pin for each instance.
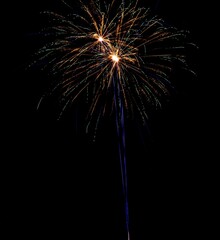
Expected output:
(119, 57)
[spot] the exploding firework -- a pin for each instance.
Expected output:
(117, 55)
(105, 42)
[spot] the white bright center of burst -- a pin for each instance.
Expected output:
(115, 58)
(100, 39)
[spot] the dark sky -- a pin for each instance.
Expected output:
(56, 182)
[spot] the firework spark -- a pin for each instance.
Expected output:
(120, 55)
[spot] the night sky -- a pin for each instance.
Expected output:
(56, 182)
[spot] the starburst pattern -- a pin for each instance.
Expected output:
(113, 41)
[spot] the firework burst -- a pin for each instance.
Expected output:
(119, 55)
(112, 41)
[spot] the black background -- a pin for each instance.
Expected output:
(57, 182)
